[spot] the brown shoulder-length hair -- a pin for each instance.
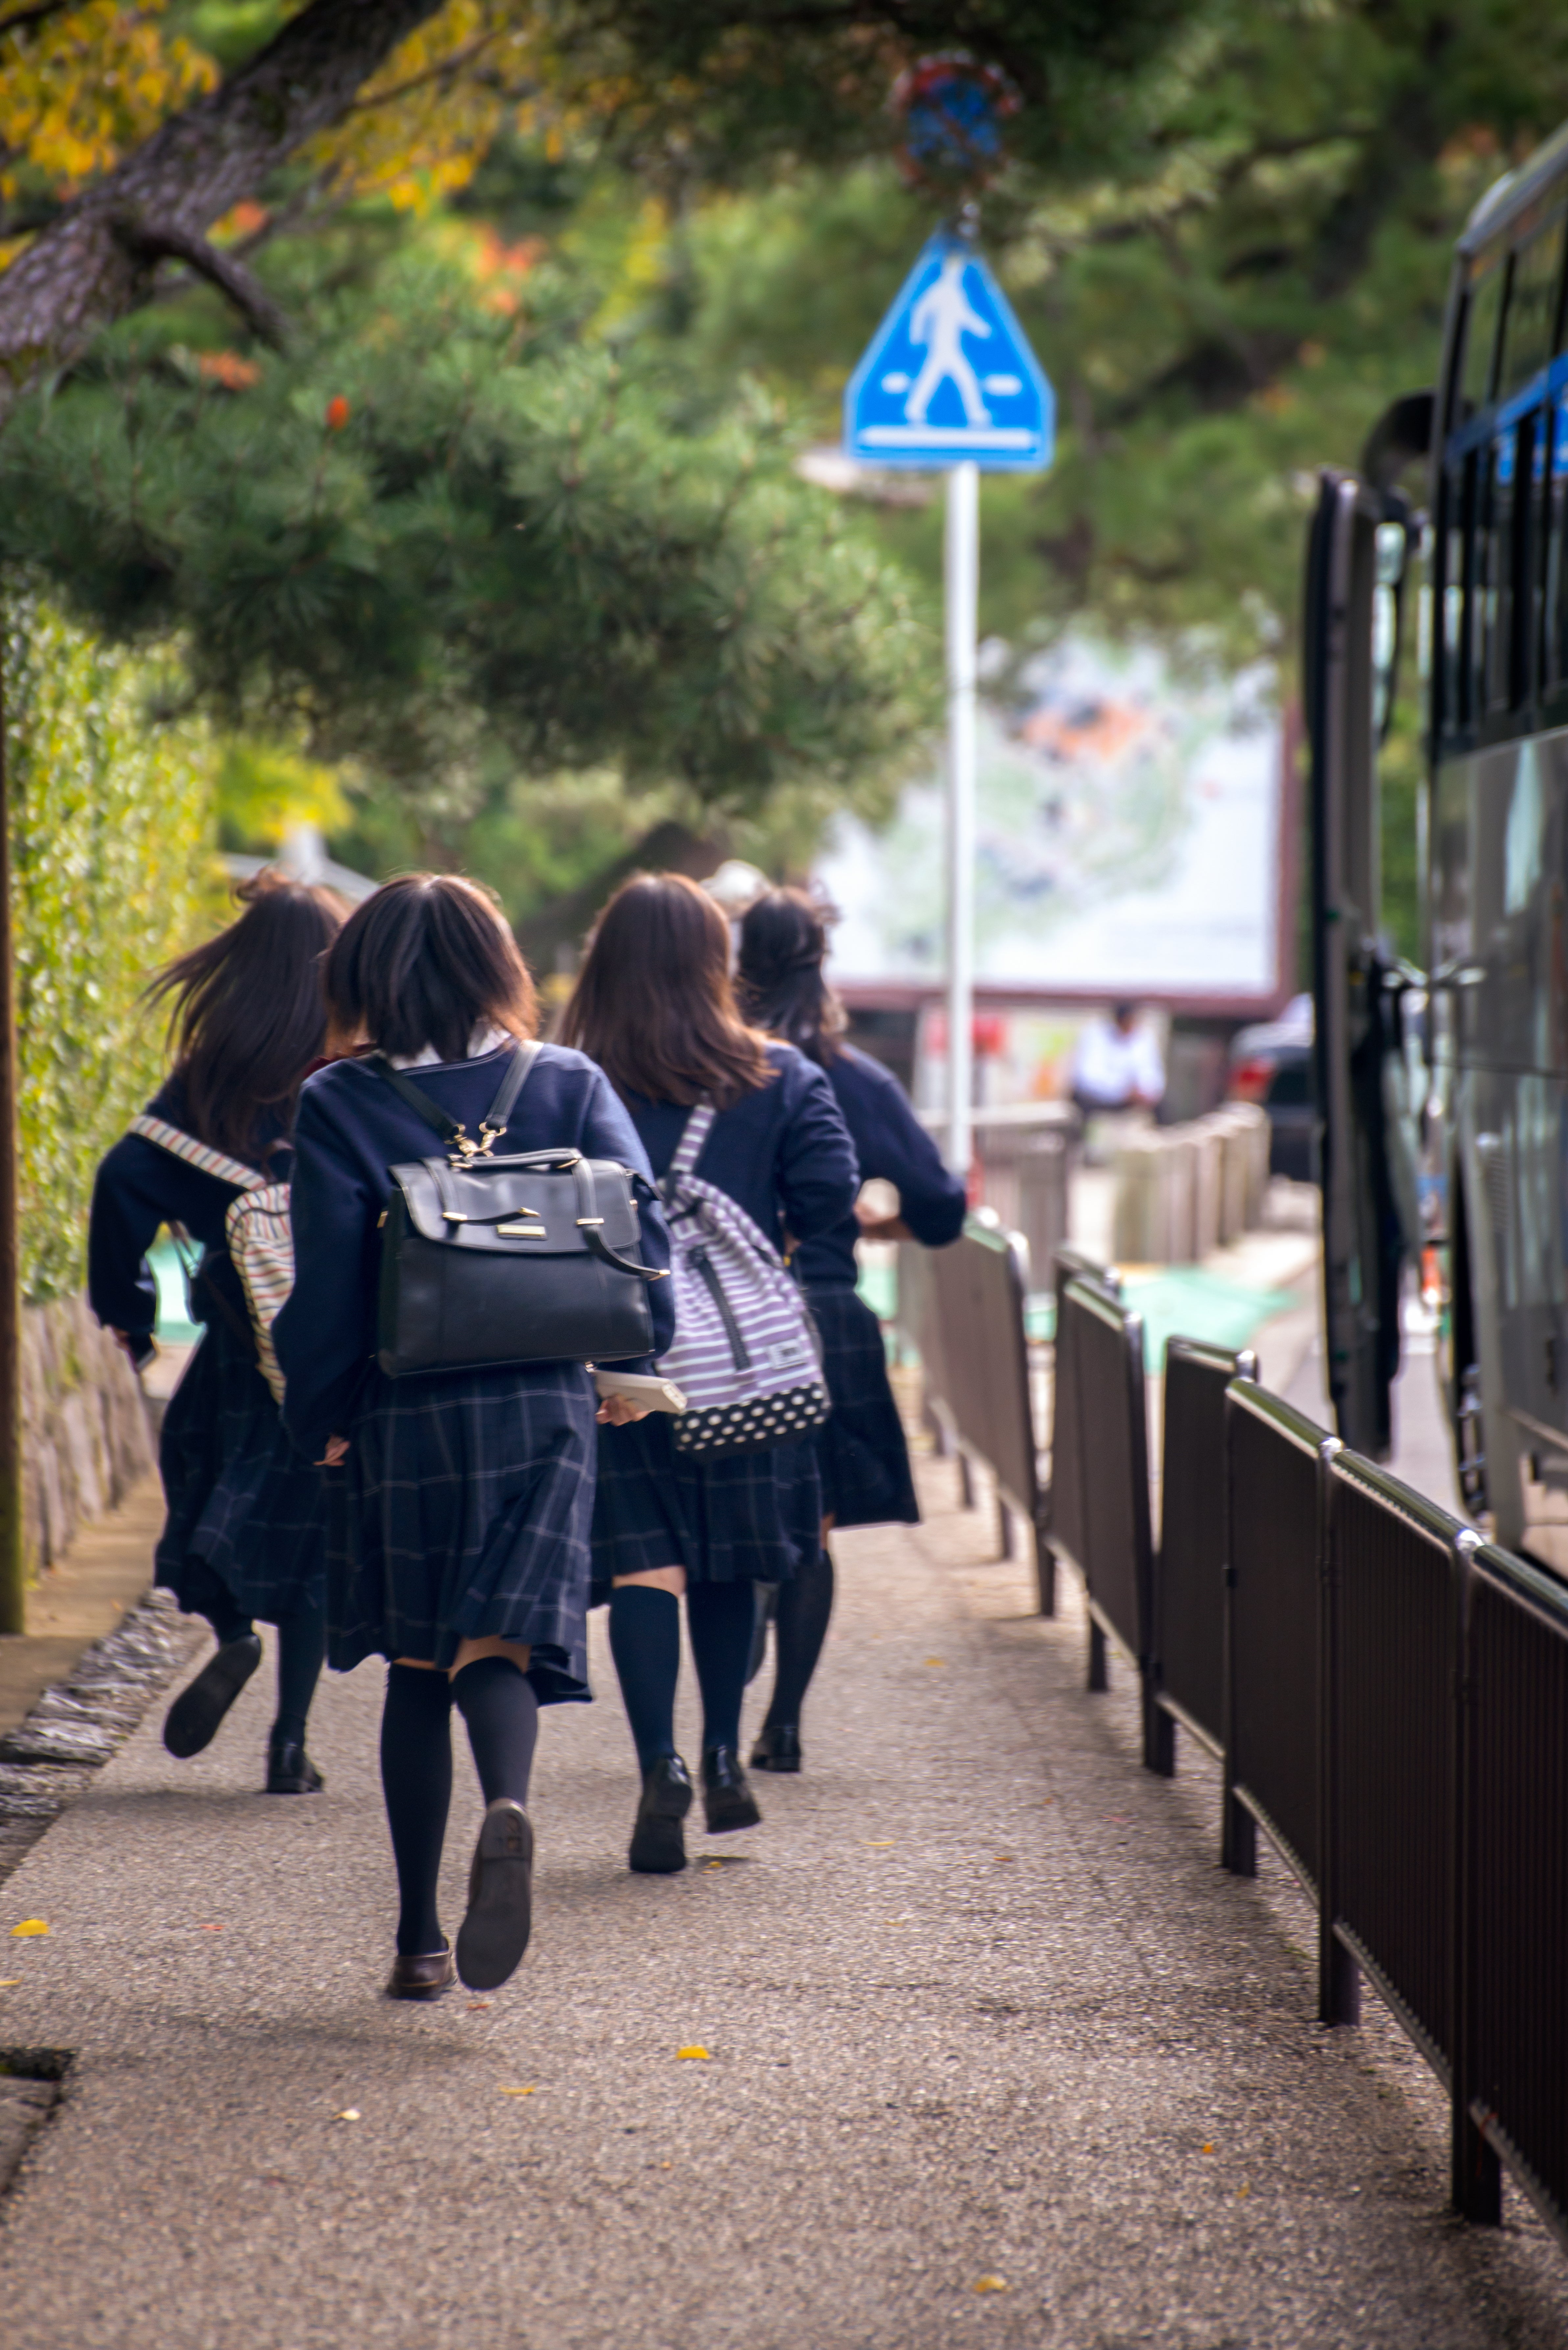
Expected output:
(778, 976)
(653, 1004)
(246, 1014)
(427, 961)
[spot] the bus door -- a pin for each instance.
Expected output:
(1356, 562)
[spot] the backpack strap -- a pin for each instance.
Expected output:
(455, 1136)
(689, 1149)
(181, 1145)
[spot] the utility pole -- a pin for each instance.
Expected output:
(961, 581)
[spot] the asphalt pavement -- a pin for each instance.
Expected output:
(971, 2042)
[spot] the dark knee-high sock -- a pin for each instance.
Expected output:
(805, 1603)
(645, 1641)
(720, 1617)
(416, 1779)
(204, 1593)
(301, 1647)
(501, 1710)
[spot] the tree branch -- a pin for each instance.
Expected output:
(151, 243)
(440, 71)
(83, 271)
(22, 20)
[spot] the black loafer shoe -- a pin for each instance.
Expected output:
(194, 1718)
(778, 1747)
(289, 1769)
(493, 1936)
(657, 1838)
(726, 1798)
(424, 1976)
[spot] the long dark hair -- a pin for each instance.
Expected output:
(424, 961)
(653, 1004)
(246, 1014)
(779, 981)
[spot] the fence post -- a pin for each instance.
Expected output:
(1338, 1976)
(1237, 1828)
(1045, 1566)
(1098, 1678)
(1475, 2173)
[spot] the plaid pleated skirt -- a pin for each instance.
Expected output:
(240, 1498)
(861, 1452)
(755, 1518)
(462, 1512)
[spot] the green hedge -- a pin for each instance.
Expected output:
(113, 872)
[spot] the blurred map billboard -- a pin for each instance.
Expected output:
(1136, 837)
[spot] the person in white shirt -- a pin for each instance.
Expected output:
(1117, 1065)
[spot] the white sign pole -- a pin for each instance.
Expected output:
(962, 569)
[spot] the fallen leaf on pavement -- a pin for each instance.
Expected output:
(991, 2284)
(1208, 2149)
(209, 1929)
(349, 2114)
(936, 1660)
(875, 1844)
(475, 2005)
(31, 1925)
(516, 2093)
(13, 1983)
(694, 2050)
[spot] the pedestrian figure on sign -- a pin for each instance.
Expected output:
(941, 320)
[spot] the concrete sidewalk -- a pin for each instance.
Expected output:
(995, 2054)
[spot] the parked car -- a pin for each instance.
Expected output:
(1271, 1062)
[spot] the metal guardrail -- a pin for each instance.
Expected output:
(1387, 1693)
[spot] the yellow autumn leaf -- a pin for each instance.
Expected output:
(991, 2284)
(14, 1983)
(936, 1660)
(31, 1925)
(699, 2053)
(886, 1844)
(349, 2114)
(516, 2092)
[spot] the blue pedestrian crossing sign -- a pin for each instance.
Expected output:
(948, 375)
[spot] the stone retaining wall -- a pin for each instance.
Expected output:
(85, 1438)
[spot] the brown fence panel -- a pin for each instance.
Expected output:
(1188, 1605)
(1513, 2080)
(1274, 1752)
(1396, 1568)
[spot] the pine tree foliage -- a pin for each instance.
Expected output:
(448, 520)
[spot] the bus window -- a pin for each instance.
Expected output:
(1557, 553)
(1484, 312)
(1495, 553)
(1451, 553)
(1529, 584)
(1530, 336)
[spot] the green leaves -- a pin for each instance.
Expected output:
(110, 820)
(517, 538)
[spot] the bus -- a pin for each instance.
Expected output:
(1443, 1095)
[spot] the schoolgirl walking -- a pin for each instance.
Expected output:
(715, 1106)
(861, 1452)
(245, 1532)
(467, 1491)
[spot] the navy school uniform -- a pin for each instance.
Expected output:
(783, 1152)
(861, 1451)
(463, 1508)
(241, 1501)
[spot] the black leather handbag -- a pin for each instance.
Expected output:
(489, 1261)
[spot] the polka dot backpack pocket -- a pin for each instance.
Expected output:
(745, 1353)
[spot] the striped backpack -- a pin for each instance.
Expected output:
(745, 1351)
(256, 1229)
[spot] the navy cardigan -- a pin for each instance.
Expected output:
(351, 1128)
(782, 1151)
(890, 1143)
(140, 1186)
